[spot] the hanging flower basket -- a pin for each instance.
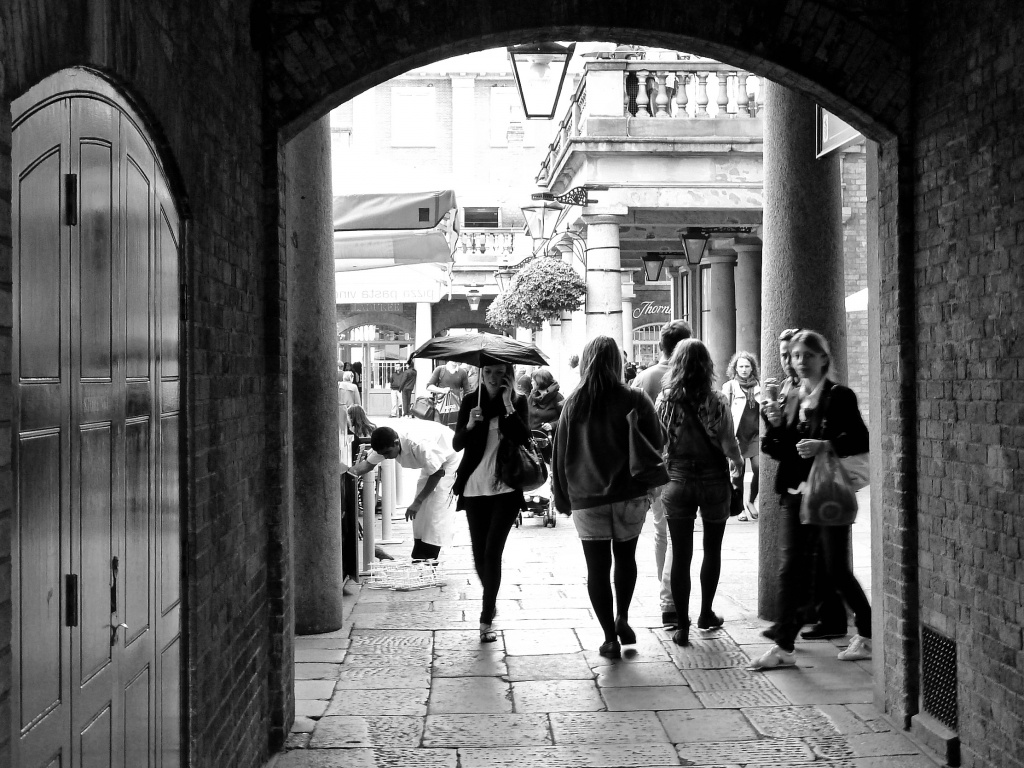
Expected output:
(541, 290)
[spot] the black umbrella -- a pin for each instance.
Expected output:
(481, 349)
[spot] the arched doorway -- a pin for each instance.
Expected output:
(97, 638)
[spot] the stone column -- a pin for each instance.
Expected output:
(604, 279)
(424, 332)
(314, 381)
(748, 298)
(802, 272)
(627, 328)
(720, 335)
(553, 350)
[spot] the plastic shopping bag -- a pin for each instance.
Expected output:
(829, 498)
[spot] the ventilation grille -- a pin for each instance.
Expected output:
(938, 655)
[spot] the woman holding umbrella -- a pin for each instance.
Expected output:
(496, 413)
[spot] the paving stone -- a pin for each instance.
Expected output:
(648, 647)
(741, 699)
(303, 723)
(625, 674)
(863, 745)
(395, 730)
(305, 642)
(320, 654)
(570, 616)
(394, 596)
(317, 671)
(465, 640)
(782, 722)
(870, 716)
(296, 740)
(557, 696)
(327, 758)
(571, 756)
(399, 701)
(310, 707)
(726, 680)
(376, 641)
(474, 730)
(845, 721)
(605, 727)
(777, 751)
(341, 731)
(415, 758)
(469, 694)
(314, 689)
(406, 657)
(525, 642)
(712, 653)
(413, 620)
(704, 725)
(562, 666)
(667, 697)
(475, 663)
(395, 606)
(355, 678)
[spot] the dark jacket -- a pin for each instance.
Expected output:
(836, 419)
(472, 442)
(591, 455)
(546, 408)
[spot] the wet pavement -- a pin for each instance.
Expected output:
(407, 683)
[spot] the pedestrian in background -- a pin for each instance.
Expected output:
(701, 447)
(448, 384)
(651, 381)
(743, 390)
(591, 480)
(408, 387)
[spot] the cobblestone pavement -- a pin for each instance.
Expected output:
(406, 682)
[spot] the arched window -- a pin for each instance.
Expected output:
(646, 341)
(375, 333)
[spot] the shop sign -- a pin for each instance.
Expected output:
(833, 134)
(651, 307)
(349, 292)
(347, 308)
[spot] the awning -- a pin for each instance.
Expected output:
(410, 284)
(380, 230)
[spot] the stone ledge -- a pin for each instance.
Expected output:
(936, 738)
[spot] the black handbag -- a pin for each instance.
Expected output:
(646, 463)
(423, 408)
(521, 466)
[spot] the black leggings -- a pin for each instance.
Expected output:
(490, 519)
(598, 555)
(755, 471)
(681, 530)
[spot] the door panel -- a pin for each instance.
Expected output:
(41, 595)
(97, 548)
(97, 384)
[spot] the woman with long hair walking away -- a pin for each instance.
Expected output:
(592, 480)
(701, 446)
(487, 417)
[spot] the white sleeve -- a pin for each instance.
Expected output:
(429, 457)
(373, 457)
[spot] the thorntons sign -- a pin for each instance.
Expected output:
(651, 307)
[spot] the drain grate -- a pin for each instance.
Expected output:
(938, 662)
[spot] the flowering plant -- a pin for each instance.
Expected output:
(541, 290)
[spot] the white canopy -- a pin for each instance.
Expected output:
(372, 231)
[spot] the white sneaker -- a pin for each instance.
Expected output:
(774, 658)
(859, 648)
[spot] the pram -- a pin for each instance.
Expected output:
(539, 501)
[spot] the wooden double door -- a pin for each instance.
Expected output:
(96, 535)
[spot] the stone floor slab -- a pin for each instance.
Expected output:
(386, 642)
(343, 731)
(332, 655)
(607, 727)
(381, 701)
(395, 606)
(465, 640)
(297, 740)
(302, 723)
(666, 697)
(327, 758)
(306, 642)
(562, 666)
(310, 707)
(557, 696)
(413, 620)
(769, 751)
(408, 657)
(863, 745)
(314, 689)
(395, 730)
(571, 756)
(361, 678)
(469, 663)
(317, 671)
(525, 642)
(741, 699)
(415, 758)
(648, 647)
(710, 653)
(459, 695)
(474, 730)
(788, 722)
(704, 725)
(626, 674)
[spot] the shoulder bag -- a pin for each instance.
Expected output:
(857, 467)
(423, 408)
(520, 466)
(830, 498)
(646, 463)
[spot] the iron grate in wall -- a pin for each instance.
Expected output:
(938, 662)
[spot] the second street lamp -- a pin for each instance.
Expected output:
(653, 262)
(539, 73)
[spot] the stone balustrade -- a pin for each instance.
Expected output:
(683, 90)
(484, 245)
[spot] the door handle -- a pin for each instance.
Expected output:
(113, 632)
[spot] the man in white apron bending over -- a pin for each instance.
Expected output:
(426, 446)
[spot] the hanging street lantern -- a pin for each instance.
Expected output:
(653, 262)
(695, 240)
(503, 277)
(539, 71)
(542, 219)
(473, 299)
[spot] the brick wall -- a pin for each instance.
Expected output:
(855, 265)
(968, 177)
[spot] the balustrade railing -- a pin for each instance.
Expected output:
(485, 244)
(677, 90)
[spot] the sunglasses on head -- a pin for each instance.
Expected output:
(789, 333)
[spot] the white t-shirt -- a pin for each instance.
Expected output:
(426, 446)
(482, 482)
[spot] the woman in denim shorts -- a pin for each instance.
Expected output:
(701, 447)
